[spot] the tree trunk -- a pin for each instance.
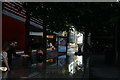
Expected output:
(119, 45)
(85, 40)
(118, 42)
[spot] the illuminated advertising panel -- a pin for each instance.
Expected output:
(71, 37)
(62, 42)
(79, 38)
(50, 36)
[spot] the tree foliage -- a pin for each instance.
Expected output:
(95, 17)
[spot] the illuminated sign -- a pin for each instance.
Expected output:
(71, 37)
(50, 36)
(79, 38)
(62, 44)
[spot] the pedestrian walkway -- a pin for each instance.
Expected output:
(101, 71)
(23, 69)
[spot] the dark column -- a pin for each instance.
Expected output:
(27, 26)
(118, 43)
(44, 36)
(85, 42)
(1, 4)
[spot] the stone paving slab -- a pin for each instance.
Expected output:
(100, 70)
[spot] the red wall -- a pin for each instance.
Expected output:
(13, 29)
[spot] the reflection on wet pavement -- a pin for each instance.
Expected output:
(60, 68)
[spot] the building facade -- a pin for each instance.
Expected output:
(13, 23)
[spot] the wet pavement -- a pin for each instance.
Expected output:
(99, 70)
(61, 67)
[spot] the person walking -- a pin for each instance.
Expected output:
(40, 54)
(4, 56)
(12, 53)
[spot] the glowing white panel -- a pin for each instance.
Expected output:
(80, 38)
(36, 33)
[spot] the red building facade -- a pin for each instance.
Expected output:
(13, 23)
